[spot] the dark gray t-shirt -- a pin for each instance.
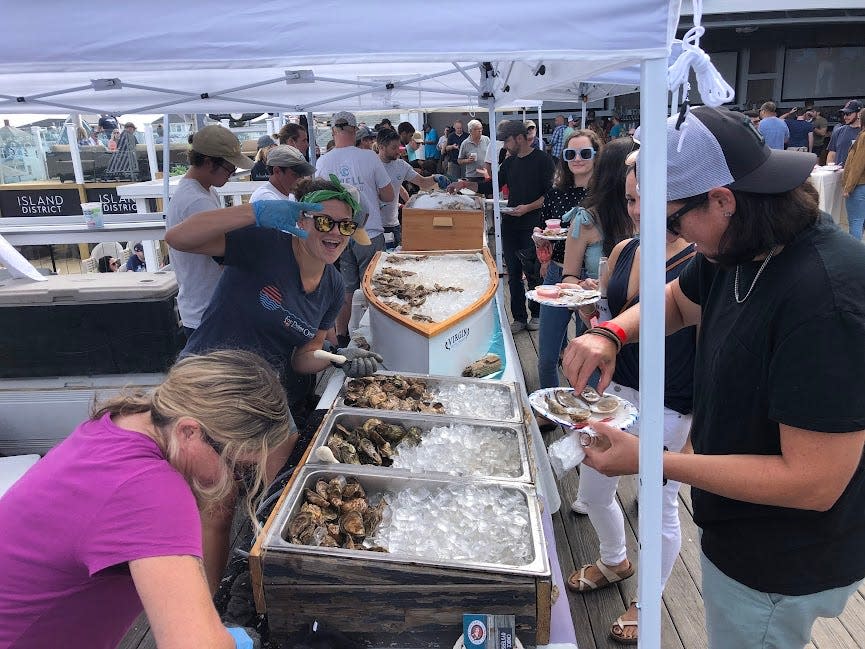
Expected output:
(259, 304)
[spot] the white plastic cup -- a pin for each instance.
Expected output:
(93, 215)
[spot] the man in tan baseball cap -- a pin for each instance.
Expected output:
(214, 155)
(218, 142)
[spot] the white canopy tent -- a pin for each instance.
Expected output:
(214, 58)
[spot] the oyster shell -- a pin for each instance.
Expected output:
(606, 405)
(315, 499)
(590, 395)
(352, 523)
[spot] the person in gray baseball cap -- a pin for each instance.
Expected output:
(285, 167)
(777, 291)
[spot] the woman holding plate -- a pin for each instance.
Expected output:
(590, 179)
(597, 492)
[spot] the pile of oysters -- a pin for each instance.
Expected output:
(578, 408)
(390, 282)
(336, 514)
(391, 392)
(373, 442)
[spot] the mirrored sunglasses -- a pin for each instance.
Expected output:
(586, 153)
(324, 223)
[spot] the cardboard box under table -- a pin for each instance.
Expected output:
(428, 229)
(446, 347)
(379, 598)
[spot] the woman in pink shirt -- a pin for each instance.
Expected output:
(133, 510)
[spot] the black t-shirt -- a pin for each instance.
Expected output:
(678, 347)
(557, 203)
(453, 138)
(259, 171)
(793, 353)
(528, 178)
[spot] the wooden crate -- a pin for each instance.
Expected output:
(442, 229)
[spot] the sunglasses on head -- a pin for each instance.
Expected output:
(586, 153)
(324, 223)
(674, 219)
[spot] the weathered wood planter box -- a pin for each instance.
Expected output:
(381, 598)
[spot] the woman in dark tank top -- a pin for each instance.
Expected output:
(597, 493)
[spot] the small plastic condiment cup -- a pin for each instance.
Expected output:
(554, 224)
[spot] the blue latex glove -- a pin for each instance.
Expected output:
(244, 638)
(282, 215)
(442, 180)
(359, 362)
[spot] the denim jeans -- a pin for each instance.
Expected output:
(744, 618)
(856, 211)
(553, 333)
(513, 240)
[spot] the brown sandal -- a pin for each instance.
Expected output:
(617, 630)
(584, 585)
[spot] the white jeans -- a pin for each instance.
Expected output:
(598, 492)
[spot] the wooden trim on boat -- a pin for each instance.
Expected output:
(431, 329)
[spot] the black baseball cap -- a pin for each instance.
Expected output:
(510, 128)
(716, 147)
(852, 106)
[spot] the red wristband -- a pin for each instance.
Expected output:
(616, 329)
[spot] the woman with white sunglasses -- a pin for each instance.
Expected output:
(587, 195)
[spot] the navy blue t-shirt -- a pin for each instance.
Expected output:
(799, 130)
(259, 303)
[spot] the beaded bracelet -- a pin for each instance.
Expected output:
(609, 335)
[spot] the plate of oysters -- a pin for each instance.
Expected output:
(580, 410)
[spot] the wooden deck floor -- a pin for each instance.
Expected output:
(593, 613)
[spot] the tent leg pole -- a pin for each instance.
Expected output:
(497, 214)
(310, 127)
(652, 169)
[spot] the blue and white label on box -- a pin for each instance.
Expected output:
(474, 630)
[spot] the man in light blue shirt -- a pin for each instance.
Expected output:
(773, 129)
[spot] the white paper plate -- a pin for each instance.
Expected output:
(465, 191)
(623, 418)
(570, 298)
(554, 237)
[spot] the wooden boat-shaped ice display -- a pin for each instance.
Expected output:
(435, 310)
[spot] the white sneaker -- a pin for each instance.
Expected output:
(533, 324)
(517, 326)
(579, 507)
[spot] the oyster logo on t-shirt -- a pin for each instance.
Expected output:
(270, 298)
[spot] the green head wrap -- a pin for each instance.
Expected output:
(342, 193)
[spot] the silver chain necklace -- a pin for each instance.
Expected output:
(756, 277)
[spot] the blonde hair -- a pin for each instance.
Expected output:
(261, 155)
(239, 403)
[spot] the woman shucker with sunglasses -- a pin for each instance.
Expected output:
(280, 292)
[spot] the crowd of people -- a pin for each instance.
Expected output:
(764, 313)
